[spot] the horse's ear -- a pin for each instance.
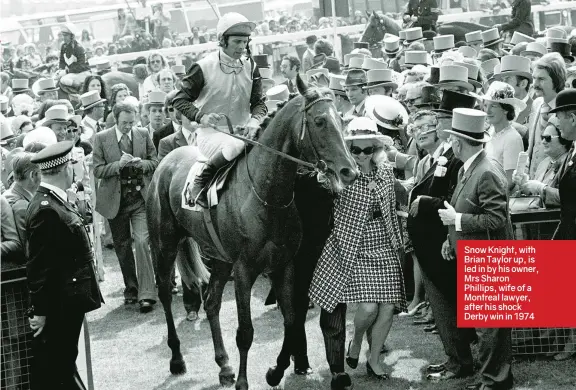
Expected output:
(301, 85)
(368, 13)
(374, 13)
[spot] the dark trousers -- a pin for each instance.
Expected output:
(456, 341)
(191, 296)
(55, 352)
(333, 326)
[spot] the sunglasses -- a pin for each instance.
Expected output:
(548, 138)
(357, 150)
(171, 109)
(72, 130)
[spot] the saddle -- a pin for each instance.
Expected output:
(72, 83)
(214, 190)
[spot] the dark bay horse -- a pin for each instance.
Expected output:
(256, 220)
(376, 28)
(460, 29)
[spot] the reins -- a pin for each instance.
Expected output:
(320, 165)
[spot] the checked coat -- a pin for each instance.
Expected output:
(360, 260)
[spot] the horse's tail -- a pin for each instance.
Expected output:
(193, 271)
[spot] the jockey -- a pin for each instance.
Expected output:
(72, 55)
(224, 82)
(423, 13)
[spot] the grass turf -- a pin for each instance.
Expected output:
(129, 349)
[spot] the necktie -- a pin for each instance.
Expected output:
(125, 144)
(460, 174)
(291, 86)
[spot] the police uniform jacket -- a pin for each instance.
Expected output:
(425, 10)
(60, 266)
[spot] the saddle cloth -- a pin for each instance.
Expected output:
(72, 83)
(215, 187)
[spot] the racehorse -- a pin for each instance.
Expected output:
(75, 82)
(376, 29)
(256, 220)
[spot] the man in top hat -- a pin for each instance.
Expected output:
(442, 44)
(491, 40)
(515, 71)
(380, 82)
(124, 160)
(61, 123)
(103, 66)
(93, 107)
(391, 50)
(20, 86)
(342, 102)
(562, 47)
(45, 89)
(208, 89)
(355, 81)
(290, 67)
(455, 78)
(517, 39)
(308, 56)
(565, 111)
(155, 108)
(5, 107)
(422, 13)
(534, 51)
(481, 186)
(72, 55)
(474, 40)
(430, 99)
(520, 20)
(319, 77)
(62, 291)
(412, 35)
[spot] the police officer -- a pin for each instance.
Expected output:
(422, 13)
(61, 278)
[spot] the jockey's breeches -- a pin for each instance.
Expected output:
(210, 142)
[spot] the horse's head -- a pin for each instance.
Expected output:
(375, 29)
(320, 136)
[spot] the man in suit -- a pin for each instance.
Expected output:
(308, 56)
(93, 107)
(549, 79)
(175, 121)
(290, 67)
(61, 278)
(156, 114)
(355, 81)
(478, 210)
(566, 112)
(428, 234)
(124, 161)
(192, 295)
(26, 182)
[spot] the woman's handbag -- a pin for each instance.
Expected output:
(525, 203)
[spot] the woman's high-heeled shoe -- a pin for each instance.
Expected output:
(412, 312)
(352, 362)
(372, 374)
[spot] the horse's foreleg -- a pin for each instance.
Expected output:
(164, 260)
(244, 279)
(220, 272)
(283, 283)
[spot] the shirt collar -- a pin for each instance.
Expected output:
(360, 106)
(176, 126)
(225, 58)
(471, 160)
(58, 191)
(119, 134)
(438, 152)
(187, 134)
(91, 122)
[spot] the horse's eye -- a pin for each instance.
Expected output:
(319, 121)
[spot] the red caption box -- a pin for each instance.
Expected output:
(516, 284)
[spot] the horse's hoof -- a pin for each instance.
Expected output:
(274, 376)
(177, 366)
(242, 385)
(227, 377)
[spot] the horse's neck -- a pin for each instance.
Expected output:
(273, 176)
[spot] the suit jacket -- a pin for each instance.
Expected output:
(10, 244)
(427, 230)
(567, 188)
(106, 157)
(524, 116)
(164, 131)
(482, 199)
(19, 199)
(168, 144)
(535, 148)
(60, 267)
(291, 90)
(89, 130)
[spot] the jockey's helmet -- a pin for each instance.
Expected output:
(234, 23)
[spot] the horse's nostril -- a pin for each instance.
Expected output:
(348, 173)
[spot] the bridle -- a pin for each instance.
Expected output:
(320, 166)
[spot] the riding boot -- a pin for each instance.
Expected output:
(198, 193)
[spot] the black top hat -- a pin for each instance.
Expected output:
(452, 100)
(562, 48)
(565, 101)
(434, 75)
(430, 97)
(332, 64)
(429, 34)
(361, 45)
(261, 60)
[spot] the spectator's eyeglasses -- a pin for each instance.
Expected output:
(410, 102)
(171, 109)
(72, 130)
(156, 62)
(548, 138)
(422, 129)
(357, 150)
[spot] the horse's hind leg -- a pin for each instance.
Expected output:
(244, 279)
(283, 283)
(220, 272)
